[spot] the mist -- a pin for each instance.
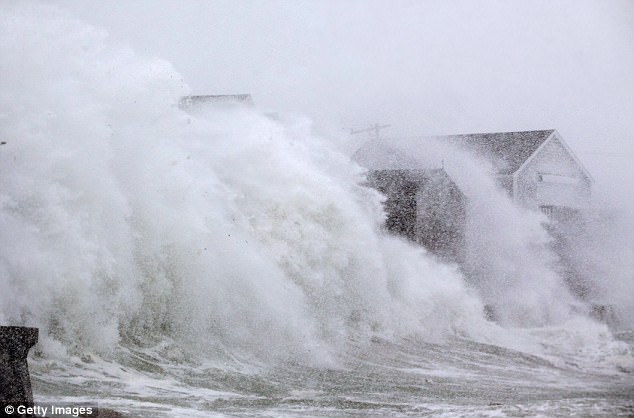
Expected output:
(430, 67)
(237, 255)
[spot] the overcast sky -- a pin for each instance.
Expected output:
(425, 67)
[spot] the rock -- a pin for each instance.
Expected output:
(15, 381)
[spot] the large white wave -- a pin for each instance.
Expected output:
(124, 218)
(122, 215)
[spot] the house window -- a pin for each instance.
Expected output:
(557, 178)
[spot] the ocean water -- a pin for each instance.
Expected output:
(226, 262)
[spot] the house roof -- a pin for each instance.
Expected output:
(217, 99)
(379, 155)
(506, 150)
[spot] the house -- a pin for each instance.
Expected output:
(536, 168)
(539, 171)
(422, 204)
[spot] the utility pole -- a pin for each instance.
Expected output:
(373, 130)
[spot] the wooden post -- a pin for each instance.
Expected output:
(15, 382)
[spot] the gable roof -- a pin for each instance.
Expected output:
(507, 150)
(376, 154)
(560, 140)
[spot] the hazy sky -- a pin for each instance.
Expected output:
(425, 67)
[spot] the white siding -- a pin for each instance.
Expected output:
(552, 178)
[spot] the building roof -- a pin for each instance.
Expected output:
(506, 150)
(376, 154)
(217, 100)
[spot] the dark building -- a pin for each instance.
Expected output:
(426, 207)
(423, 205)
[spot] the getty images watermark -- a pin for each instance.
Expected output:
(51, 410)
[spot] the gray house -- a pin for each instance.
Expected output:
(422, 204)
(537, 168)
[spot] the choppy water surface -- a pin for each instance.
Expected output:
(410, 378)
(229, 262)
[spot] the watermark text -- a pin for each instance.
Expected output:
(50, 410)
